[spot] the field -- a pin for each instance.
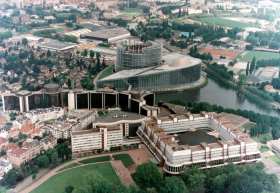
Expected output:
(259, 56)
(232, 55)
(69, 166)
(107, 72)
(129, 13)
(125, 158)
(225, 22)
(87, 25)
(274, 158)
(74, 177)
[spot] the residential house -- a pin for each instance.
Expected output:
(5, 166)
(17, 156)
(27, 129)
(10, 146)
(32, 146)
(3, 90)
(49, 142)
(5, 131)
(14, 133)
(36, 132)
(3, 142)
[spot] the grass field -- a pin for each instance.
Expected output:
(69, 166)
(274, 158)
(87, 25)
(74, 177)
(259, 56)
(58, 30)
(129, 13)
(256, 139)
(107, 72)
(125, 158)
(225, 22)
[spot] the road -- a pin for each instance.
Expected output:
(136, 154)
(73, 80)
(97, 77)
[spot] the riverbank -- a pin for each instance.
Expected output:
(205, 82)
(263, 103)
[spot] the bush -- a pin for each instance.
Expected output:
(34, 176)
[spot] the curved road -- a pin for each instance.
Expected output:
(136, 154)
(97, 77)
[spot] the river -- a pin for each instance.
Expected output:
(217, 92)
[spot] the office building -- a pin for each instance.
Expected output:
(141, 66)
(180, 140)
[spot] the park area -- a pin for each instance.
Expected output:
(274, 158)
(249, 55)
(129, 13)
(225, 22)
(107, 72)
(231, 55)
(74, 177)
(125, 158)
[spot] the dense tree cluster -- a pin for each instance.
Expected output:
(216, 68)
(47, 33)
(261, 94)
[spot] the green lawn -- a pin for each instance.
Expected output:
(274, 158)
(87, 25)
(107, 72)
(259, 73)
(259, 56)
(125, 158)
(58, 30)
(74, 177)
(264, 148)
(256, 139)
(225, 22)
(69, 166)
(129, 13)
(132, 10)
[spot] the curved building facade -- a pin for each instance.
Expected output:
(134, 55)
(175, 71)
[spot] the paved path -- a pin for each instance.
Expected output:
(97, 77)
(135, 155)
(28, 181)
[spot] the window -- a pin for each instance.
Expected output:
(217, 162)
(201, 164)
(251, 157)
(235, 159)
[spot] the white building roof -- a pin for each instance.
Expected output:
(77, 33)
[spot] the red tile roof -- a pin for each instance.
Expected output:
(10, 146)
(27, 128)
(3, 140)
(18, 151)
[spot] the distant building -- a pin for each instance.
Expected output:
(5, 166)
(57, 46)
(24, 18)
(269, 88)
(15, 19)
(48, 142)
(242, 35)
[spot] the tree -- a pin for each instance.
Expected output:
(267, 137)
(85, 52)
(173, 185)
(148, 175)
(69, 24)
(242, 80)
(178, 102)
(69, 83)
(190, 104)
(24, 41)
(98, 64)
(69, 189)
(49, 53)
(91, 54)
(247, 69)
(55, 161)
(43, 161)
(34, 176)
(193, 178)
(121, 188)
(78, 52)
(3, 190)
(252, 66)
(98, 55)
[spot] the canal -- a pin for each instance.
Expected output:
(217, 92)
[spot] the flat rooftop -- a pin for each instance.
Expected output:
(169, 65)
(107, 33)
(57, 45)
(115, 116)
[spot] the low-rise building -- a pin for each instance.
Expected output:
(27, 129)
(32, 146)
(3, 142)
(48, 142)
(44, 114)
(36, 132)
(242, 35)
(5, 166)
(269, 88)
(17, 156)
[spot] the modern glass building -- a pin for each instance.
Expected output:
(134, 55)
(175, 71)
